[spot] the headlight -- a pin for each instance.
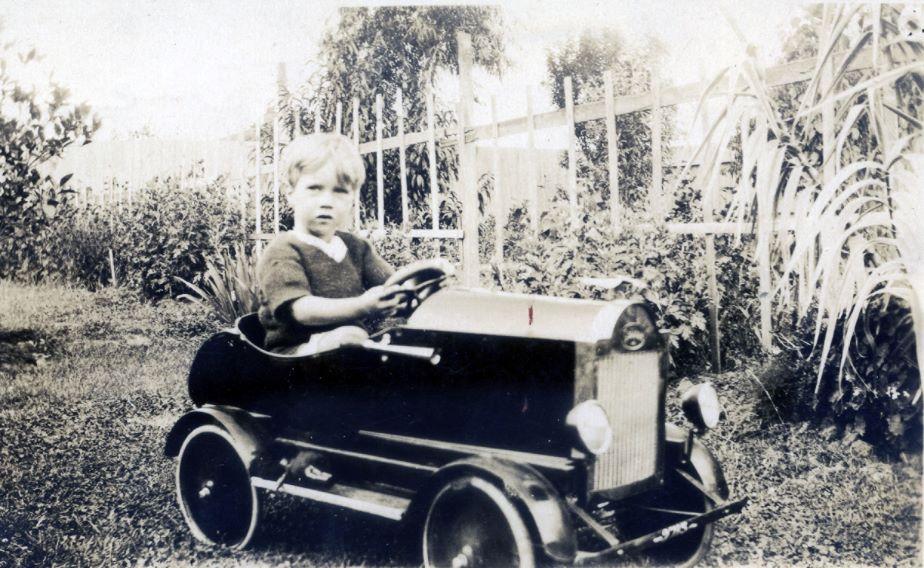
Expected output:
(593, 426)
(701, 406)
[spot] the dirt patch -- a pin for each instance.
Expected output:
(20, 347)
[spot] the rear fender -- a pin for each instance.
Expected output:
(697, 455)
(239, 424)
(536, 499)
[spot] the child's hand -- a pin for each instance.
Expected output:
(383, 300)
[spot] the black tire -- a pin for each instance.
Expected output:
(218, 502)
(471, 523)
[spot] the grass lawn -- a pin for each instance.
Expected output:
(90, 383)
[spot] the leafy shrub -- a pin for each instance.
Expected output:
(783, 388)
(268, 212)
(876, 399)
(664, 269)
(739, 306)
(171, 232)
(167, 232)
(33, 130)
(882, 395)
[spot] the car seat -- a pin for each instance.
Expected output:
(252, 330)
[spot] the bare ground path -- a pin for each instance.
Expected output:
(90, 383)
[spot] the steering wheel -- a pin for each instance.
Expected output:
(417, 281)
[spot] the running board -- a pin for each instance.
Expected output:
(363, 500)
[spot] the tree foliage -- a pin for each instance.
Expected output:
(377, 51)
(37, 122)
(585, 59)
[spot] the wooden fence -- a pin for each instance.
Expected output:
(99, 166)
(466, 134)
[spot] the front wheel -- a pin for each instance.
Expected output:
(666, 507)
(471, 523)
(213, 488)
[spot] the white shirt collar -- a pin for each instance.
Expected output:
(335, 249)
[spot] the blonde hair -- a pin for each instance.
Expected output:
(307, 154)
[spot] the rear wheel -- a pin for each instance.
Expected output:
(213, 488)
(471, 523)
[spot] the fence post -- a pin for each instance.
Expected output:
(242, 195)
(612, 149)
(531, 165)
(338, 119)
(402, 168)
(709, 194)
(299, 130)
(357, 221)
(379, 167)
(499, 211)
(658, 204)
(276, 169)
(468, 183)
(258, 185)
(133, 154)
(113, 281)
(282, 86)
(179, 166)
(434, 174)
(764, 235)
(572, 168)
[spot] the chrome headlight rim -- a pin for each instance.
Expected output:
(593, 426)
(701, 406)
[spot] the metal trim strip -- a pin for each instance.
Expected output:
(377, 509)
(370, 457)
(540, 460)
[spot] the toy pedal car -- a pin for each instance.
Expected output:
(502, 429)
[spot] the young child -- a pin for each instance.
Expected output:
(317, 283)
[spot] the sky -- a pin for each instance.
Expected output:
(204, 69)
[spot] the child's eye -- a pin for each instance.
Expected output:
(341, 190)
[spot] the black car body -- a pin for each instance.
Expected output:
(478, 417)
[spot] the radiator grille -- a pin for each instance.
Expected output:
(628, 387)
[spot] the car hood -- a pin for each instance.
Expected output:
(465, 310)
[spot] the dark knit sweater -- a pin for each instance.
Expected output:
(291, 268)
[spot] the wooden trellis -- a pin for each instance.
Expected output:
(466, 134)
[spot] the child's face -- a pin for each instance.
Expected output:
(320, 203)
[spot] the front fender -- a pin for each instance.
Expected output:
(535, 497)
(680, 452)
(241, 425)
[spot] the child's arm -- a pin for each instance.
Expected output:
(315, 310)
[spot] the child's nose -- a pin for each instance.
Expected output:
(326, 198)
